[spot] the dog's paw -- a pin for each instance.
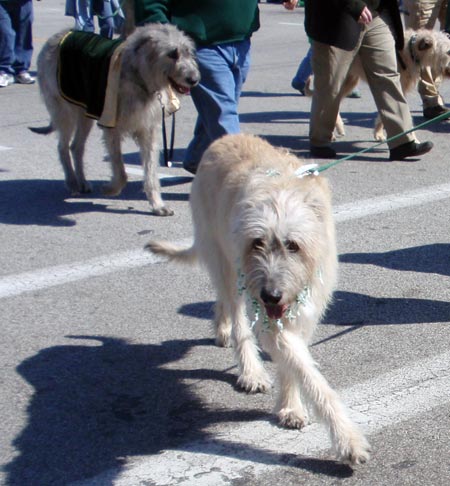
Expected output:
(254, 384)
(354, 451)
(111, 190)
(292, 419)
(84, 187)
(163, 211)
(379, 136)
(223, 340)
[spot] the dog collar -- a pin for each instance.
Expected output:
(304, 170)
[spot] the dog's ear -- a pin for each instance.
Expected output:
(315, 201)
(425, 43)
(140, 44)
(318, 197)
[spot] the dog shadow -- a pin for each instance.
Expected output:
(45, 202)
(102, 399)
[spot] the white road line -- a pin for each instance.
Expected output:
(256, 448)
(49, 277)
(58, 275)
(130, 170)
(391, 202)
(2, 147)
(138, 171)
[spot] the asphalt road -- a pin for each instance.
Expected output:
(108, 372)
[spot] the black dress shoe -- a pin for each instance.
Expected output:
(410, 149)
(322, 152)
(431, 112)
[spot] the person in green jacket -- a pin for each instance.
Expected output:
(221, 30)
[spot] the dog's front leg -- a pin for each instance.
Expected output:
(289, 407)
(253, 377)
(150, 160)
(119, 177)
(291, 355)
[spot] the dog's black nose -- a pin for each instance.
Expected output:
(193, 80)
(270, 297)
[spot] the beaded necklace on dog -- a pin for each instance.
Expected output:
(258, 311)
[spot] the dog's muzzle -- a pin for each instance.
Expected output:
(271, 300)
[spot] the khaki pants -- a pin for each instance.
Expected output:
(376, 49)
(423, 14)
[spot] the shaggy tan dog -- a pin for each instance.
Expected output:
(265, 232)
(422, 48)
(154, 58)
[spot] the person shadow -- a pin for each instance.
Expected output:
(433, 258)
(354, 310)
(100, 400)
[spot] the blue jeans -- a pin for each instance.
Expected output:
(16, 39)
(223, 70)
(304, 71)
(110, 16)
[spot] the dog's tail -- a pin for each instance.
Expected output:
(173, 251)
(43, 130)
(308, 90)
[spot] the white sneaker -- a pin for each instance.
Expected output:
(24, 78)
(6, 79)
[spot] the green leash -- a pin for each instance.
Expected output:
(443, 116)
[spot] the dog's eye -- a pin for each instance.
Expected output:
(258, 244)
(174, 54)
(291, 246)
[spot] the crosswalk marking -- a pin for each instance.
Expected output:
(17, 284)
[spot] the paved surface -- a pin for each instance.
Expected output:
(109, 375)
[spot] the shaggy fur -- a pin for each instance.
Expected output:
(260, 227)
(423, 48)
(154, 57)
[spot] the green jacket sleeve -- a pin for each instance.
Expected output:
(146, 11)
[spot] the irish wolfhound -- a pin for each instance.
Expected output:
(266, 235)
(154, 58)
(423, 48)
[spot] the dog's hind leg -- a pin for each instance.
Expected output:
(150, 160)
(64, 135)
(119, 177)
(84, 126)
(378, 130)
(291, 355)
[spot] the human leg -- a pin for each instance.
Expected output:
(378, 57)
(84, 17)
(304, 71)
(22, 22)
(7, 41)
(223, 71)
(330, 66)
(105, 19)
